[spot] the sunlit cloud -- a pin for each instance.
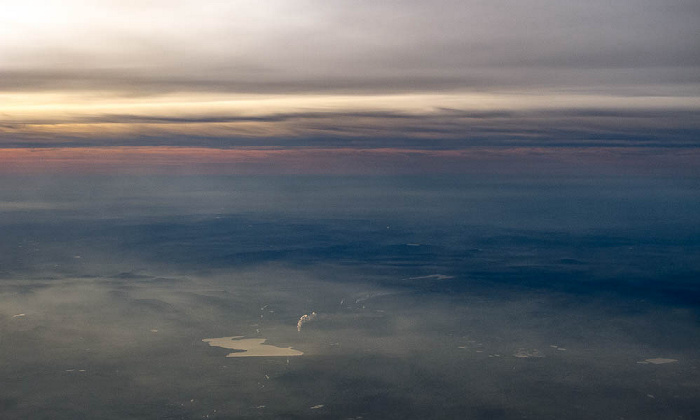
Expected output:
(305, 319)
(473, 119)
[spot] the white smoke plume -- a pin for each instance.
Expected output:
(304, 319)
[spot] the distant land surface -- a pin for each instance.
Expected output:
(436, 297)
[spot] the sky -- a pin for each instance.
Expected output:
(353, 87)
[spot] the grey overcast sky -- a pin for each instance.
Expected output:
(292, 46)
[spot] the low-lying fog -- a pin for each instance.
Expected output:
(423, 308)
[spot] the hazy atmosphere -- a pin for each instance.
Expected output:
(349, 210)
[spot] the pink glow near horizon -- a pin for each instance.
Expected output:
(193, 160)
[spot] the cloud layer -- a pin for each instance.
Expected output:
(447, 75)
(296, 46)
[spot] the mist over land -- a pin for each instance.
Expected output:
(437, 297)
